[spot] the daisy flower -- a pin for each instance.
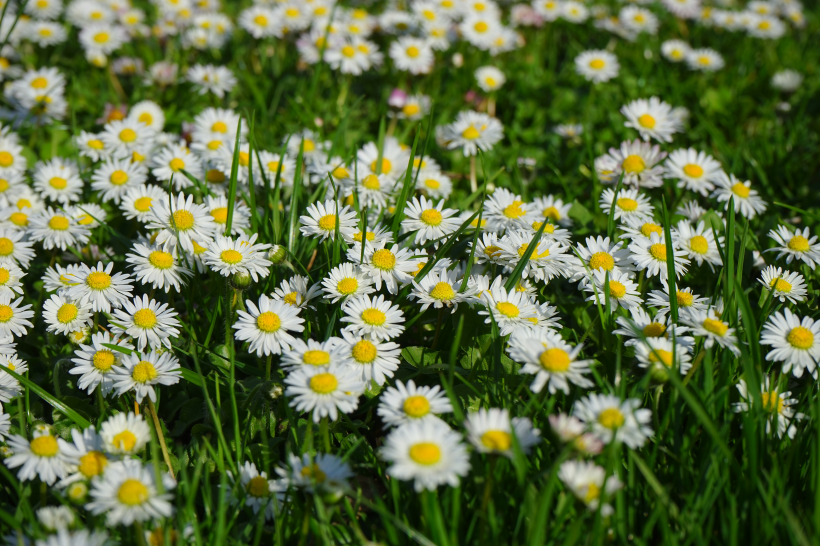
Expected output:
(124, 434)
(490, 431)
(171, 161)
(638, 161)
(473, 131)
(698, 243)
(389, 266)
(229, 257)
(314, 353)
(375, 360)
(255, 490)
(346, 281)
(63, 316)
(97, 286)
(321, 220)
(440, 290)
(157, 266)
(296, 292)
(10, 276)
(124, 137)
(778, 406)
(513, 311)
(10, 388)
(571, 430)
(56, 229)
(795, 342)
(90, 215)
(138, 201)
(268, 326)
(435, 184)
(374, 317)
(599, 255)
(56, 518)
(412, 55)
(505, 210)
(13, 249)
(14, 316)
(94, 362)
(655, 354)
(694, 170)
(704, 60)
(597, 65)
(428, 452)
(181, 220)
(148, 322)
(552, 209)
(614, 420)
(90, 145)
(44, 457)
(139, 372)
(321, 472)
(490, 78)
(796, 245)
(675, 50)
(586, 480)
(218, 80)
(747, 201)
(324, 391)
(784, 284)
(546, 262)
(58, 180)
(628, 203)
(650, 255)
(651, 118)
(638, 19)
(640, 324)
(274, 165)
(788, 81)
(86, 455)
(127, 492)
(554, 362)
(116, 177)
(394, 159)
(487, 249)
(707, 324)
(623, 292)
(428, 220)
(687, 300)
(218, 209)
(407, 403)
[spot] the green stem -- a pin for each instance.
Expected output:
(325, 434)
(153, 411)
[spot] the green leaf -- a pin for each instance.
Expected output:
(78, 419)
(522, 263)
(670, 264)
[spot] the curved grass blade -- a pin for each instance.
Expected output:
(78, 419)
(522, 263)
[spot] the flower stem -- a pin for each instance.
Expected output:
(325, 434)
(473, 181)
(153, 411)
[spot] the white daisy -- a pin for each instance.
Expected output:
(373, 317)
(125, 434)
(490, 78)
(571, 430)
(640, 324)
(428, 220)
(796, 245)
(698, 243)
(675, 50)
(324, 390)
(171, 161)
(599, 255)
(440, 290)
(614, 420)
(686, 299)
(148, 322)
(655, 354)
(491, 431)
(346, 281)
(242, 256)
(694, 170)
(412, 55)
(124, 137)
(90, 215)
(651, 118)
(181, 220)
(472, 131)
(57, 229)
(58, 180)
(258, 492)
(321, 220)
(14, 316)
(140, 372)
(218, 209)
(554, 362)
(505, 210)
(597, 65)
(547, 261)
(629, 203)
(321, 472)
(512, 311)
(795, 342)
(268, 326)
(136, 204)
(784, 284)
(638, 161)
(707, 324)
(374, 360)
(87, 456)
(13, 249)
(777, 405)
(314, 353)
(10, 276)
(63, 315)
(747, 201)
(435, 184)
(650, 255)
(44, 457)
(158, 266)
(623, 292)
(127, 492)
(391, 266)
(586, 480)
(94, 362)
(296, 291)
(704, 60)
(97, 286)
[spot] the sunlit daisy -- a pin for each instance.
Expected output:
(158, 266)
(784, 284)
(629, 203)
(796, 245)
(656, 355)
(472, 131)
(747, 201)
(571, 430)
(43, 457)
(63, 315)
(99, 287)
(698, 242)
(10, 276)
(390, 265)
(297, 291)
(140, 372)
(94, 362)
(652, 118)
(512, 311)
(14, 316)
(491, 431)
(708, 325)
(324, 391)
(258, 492)
(638, 161)
(694, 170)
(148, 322)
(586, 481)
(86, 454)
(428, 220)
(505, 210)
(554, 362)
(675, 50)
(267, 327)
(597, 65)
(623, 292)
(125, 434)
(58, 180)
(57, 229)
(346, 281)
(374, 317)
(127, 492)
(14, 249)
(685, 298)
(650, 255)
(614, 420)
(181, 220)
(440, 290)
(704, 60)
(137, 202)
(321, 220)
(242, 256)
(795, 342)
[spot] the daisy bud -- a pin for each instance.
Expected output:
(240, 280)
(77, 492)
(659, 373)
(275, 390)
(276, 254)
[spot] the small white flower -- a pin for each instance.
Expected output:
(127, 492)
(746, 200)
(324, 391)
(784, 284)
(150, 323)
(795, 342)
(407, 403)
(694, 170)
(321, 220)
(268, 326)
(490, 431)
(554, 362)
(699, 243)
(346, 281)
(597, 65)
(374, 317)
(14, 316)
(158, 266)
(125, 434)
(140, 372)
(777, 405)
(228, 257)
(44, 457)
(652, 119)
(64, 316)
(797, 244)
(586, 480)
(614, 420)
(707, 324)
(98, 287)
(94, 362)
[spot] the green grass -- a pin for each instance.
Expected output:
(707, 476)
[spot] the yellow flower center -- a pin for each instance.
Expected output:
(161, 259)
(658, 251)
(431, 217)
(425, 453)
(771, 402)
(230, 256)
(92, 464)
(128, 135)
(102, 38)
(497, 440)
(432, 184)
(58, 223)
(347, 286)
(214, 145)
(6, 159)
(781, 286)
(514, 210)
(176, 164)
(18, 219)
(597, 64)
(481, 26)
(715, 326)
(261, 20)
(686, 299)
(416, 406)
(327, 222)
(665, 357)
(268, 322)
(364, 352)
(144, 372)
(535, 255)
(258, 486)
(198, 249)
(699, 244)
(412, 52)
(45, 446)
(371, 182)
(98, 280)
(132, 492)
(602, 260)
(410, 110)
(801, 338)
(314, 473)
(67, 313)
(103, 360)
(316, 358)
(798, 243)
(507, 309)
(634, 164)
(143, 204)
(611, 418)
(555, 360)
(387, 166)
(649, 228)
(442, 291)
(146, 118)
(470, 133)
(125, 441)
(183, 220)
(324, 383)
(552, 213)
(627, 204)
(6, 313)
(654, 329)
(695, 171)
(374, 317)
(5, 275)
(145, 318)
(616, 289)
(647, 121)
(348, 51)
(6, 246)
(491, 250)
(741, 190)
(39, 83)
(291, 298)
(593, 492)
(58, 183)
(384, 259)
(95, 144)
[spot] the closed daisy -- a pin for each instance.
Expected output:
(747, 201)
(796, 245)
(795, 342)
(346, 281)
(694, 170)
(784, 284)
(373, 317)
(57, 229)
(614, 420)
(652, 119)
(242, 256)
(440, 290)
(428, 220)
(429, 452)
(267, 327)
(14, 317)
(99, 288)
(324, 391)
(707, 324)
(491, 431)
(321, 220)
(125, 434)
(374, 360)
(63, 316)
(150, 323)
(554, 362)
(407, 403)
(181, 220)
(597, 65)
(43, 457)
(158, 266)
(94, 362)
(127, 492)
(698, 243)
